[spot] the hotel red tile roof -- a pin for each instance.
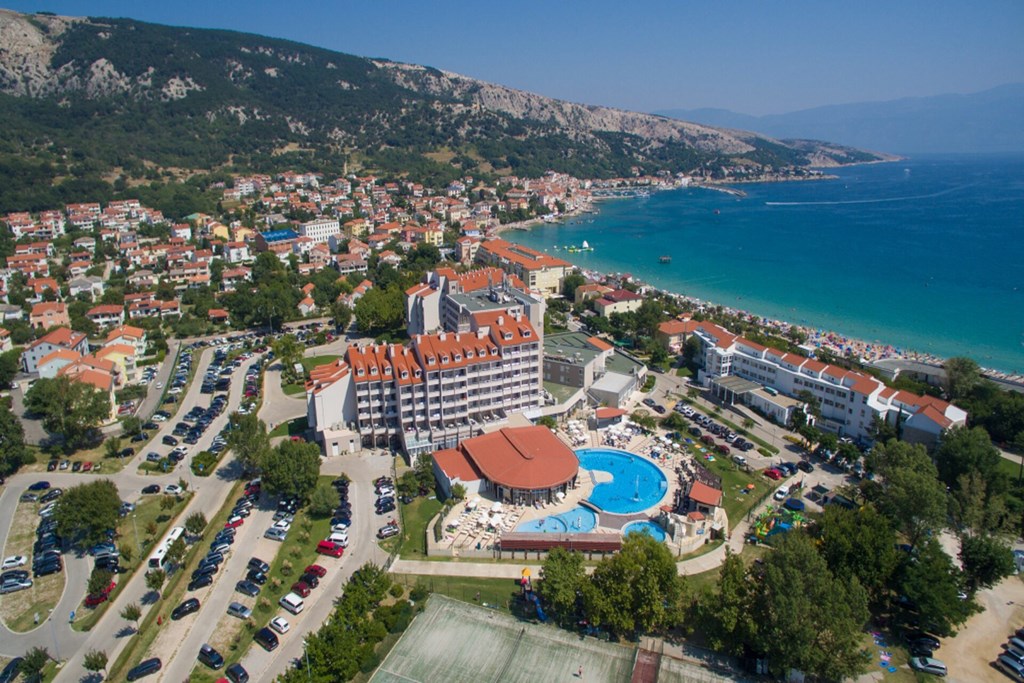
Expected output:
(522, 458)
(608, 413)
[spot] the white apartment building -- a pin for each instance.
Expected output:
(321, 229)
(849, 401)
(431, 394)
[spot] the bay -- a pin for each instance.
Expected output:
(926, 253)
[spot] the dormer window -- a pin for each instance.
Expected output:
(507, 336)
(387, 370)
(469, 353)
(457, 357)
(526, 333)
(444, 359)
(494, 351)
(360, 371)
(373, 369)
(405, 374)
(416, 373)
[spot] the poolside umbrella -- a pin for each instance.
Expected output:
(560, 495)
(526, 571)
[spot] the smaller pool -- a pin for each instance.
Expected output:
(649, 528)
(579, 520)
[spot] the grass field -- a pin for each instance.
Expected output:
(736, 497)
(415, 518)
(296, 427)
(19, 610)
(493, 593)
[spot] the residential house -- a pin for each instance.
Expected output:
(61, 338)
(106, 315)
(129, 335)
(49, 314)
(618, 301)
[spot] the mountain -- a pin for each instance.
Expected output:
(95, 106)
(987, 121)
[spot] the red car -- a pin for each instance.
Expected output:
(773, 473)
(234, 522)
(86, 466)
(330, 548)
(315, 570)
(301, 588)
(101, 597)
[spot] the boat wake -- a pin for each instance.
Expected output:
(874, 201)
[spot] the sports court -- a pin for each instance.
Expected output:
(458, 642)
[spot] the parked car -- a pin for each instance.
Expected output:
(184, 609)
(928, 665)
(145, 668)
(210, 657)
(14, 561)
(280, 624)
(329, 548)
(236, 673)
(266, 639)
(152, 488)
(315, 570)
(773, 473)
(237, 609)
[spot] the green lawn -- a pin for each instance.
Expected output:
(494, 592)
(309, 362)
(134, 540)
(170, 595)
(737, 499)
(415, 518)
(296, 427)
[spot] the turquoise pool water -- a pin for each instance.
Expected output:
(649, 528)
(637, 483)
(579, 520)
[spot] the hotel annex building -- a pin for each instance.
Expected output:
(849, 401)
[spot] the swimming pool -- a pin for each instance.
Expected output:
(637, 483)
(649, 528)
(579, 520)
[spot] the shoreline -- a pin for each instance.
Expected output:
(839, 344)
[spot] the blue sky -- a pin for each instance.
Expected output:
(755, 57)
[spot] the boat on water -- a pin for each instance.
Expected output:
(665, 258)
(572, 248)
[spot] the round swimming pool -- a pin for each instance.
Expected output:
(579, 520)
(649, 528)
(637, 484)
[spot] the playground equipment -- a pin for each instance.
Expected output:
(776, 521)
(528, 593)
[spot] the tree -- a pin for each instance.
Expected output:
(425, 471)
(911, 494)
(859, 543)
(10, 364)
(725, 611)
(807, 619)
(969, 465)
(562, 579)
(127, 553)
(13, 453)
(33, 662)
(342, 315)
(986, 561)
(86, 511)
(155, 580)
(637, 590)
(962, 375)
(95, 660)
(112, 447)
(70, 409)
(930, 581)
(248, 440)
(131, 425)
(196, 523)
(291, 469)
(380, 310)
(132, 612)
(323, 500)
(99, 579)
(288, 351)
(176, 552)
(458, 491)
(569, 284)
(408, 484)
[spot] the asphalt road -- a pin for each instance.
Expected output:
(209, 494)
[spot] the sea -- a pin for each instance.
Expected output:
(925, 253)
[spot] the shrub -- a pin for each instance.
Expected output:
(396, 591)
(419, 592)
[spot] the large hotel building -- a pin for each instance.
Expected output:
(446, 384)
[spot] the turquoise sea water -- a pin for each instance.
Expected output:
(925, 253)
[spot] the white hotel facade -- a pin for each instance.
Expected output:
(849, 401)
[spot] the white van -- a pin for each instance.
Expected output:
(292, 602)
(782, 492)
